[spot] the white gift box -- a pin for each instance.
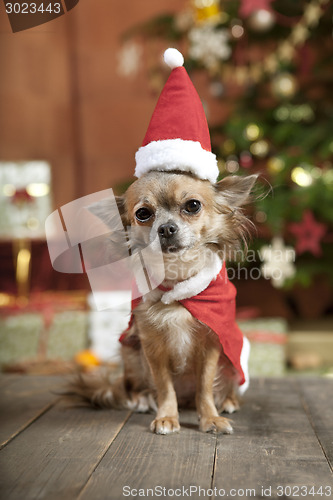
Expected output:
(108, 318)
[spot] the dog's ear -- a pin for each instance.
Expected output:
(236, 189)
(109, 209)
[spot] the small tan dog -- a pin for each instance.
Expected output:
(167, 353)
(183, 345)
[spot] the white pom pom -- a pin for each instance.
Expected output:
(173, 58)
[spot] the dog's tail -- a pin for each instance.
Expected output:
(99, 391)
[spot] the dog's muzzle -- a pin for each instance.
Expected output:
(168, 233)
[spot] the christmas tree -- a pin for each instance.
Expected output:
(268, 68)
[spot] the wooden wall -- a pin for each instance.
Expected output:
(61, 98)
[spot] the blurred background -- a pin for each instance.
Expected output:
(76, 97)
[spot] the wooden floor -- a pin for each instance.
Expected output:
(282, 447)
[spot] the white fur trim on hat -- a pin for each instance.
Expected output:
(177, 154)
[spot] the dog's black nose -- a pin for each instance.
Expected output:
(168, 230)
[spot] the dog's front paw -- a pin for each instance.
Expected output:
(165, 425)
(215, 424)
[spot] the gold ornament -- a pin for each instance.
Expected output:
(286, 51)
(262, 20)
(299, 34)
(208, 11)
(284, 86)
(312, 14)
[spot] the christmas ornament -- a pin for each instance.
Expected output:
(261, 20)
(286, 51)
(278, 262)
(299, 34)
(312, 13)
(208, 11)
(284, 86)
(237, 30)
(308, 233)
(209, 45)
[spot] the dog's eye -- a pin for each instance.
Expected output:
(192, 206)
(143, 214)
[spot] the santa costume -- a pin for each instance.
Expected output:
(178, 139)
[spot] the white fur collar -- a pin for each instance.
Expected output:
(195, 285)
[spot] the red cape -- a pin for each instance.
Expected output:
(215, 307)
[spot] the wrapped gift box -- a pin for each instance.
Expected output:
(50, 326)
(67, 335)
(108, 318)
(19, 337)
(268, 338)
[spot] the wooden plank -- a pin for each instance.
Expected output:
(273, 445)
(139, 460)
(318, 403)
(6, 380)
(22, 400)
(54, 456)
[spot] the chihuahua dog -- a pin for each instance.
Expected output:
(170, 355)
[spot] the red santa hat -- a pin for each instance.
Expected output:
(178, 137)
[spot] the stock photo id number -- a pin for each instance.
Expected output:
(24, 15)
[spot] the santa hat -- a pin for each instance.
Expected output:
(178, 137)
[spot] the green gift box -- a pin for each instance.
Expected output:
(19, 337)
(24, 336)
(268, 338)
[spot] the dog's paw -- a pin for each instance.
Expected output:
(230, 405)
(216, 425)
(165, 425)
